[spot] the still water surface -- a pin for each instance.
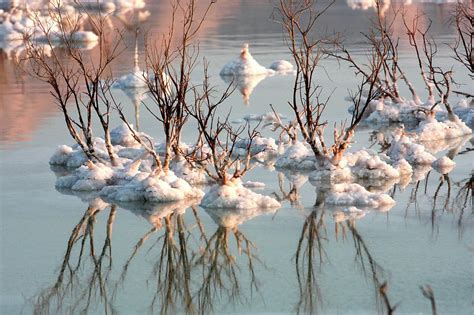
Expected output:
(296, 259)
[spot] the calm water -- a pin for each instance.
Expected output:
(296, 259)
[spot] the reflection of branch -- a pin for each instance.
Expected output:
(172, 270)
(69, 280)
(292, 195)
(363, 256)
(219, 267)
(309, 244)
(465, 193)
(428, 293)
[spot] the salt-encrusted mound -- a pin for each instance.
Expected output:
(260, 149)
(163, 187)
(403, 147)
(133, 80)
(244, 65)
(184, 170)
(331, 174)
(350, 213)
(464, 110)
(282, 66)
(355, 194)
(403, 167)
(443, 165)
(86, 178)
(369, 165)
(73, 157)
(433, 130)
(267, 118)
(384, 110)
(122, 136)
(297, 156)
(236, 196)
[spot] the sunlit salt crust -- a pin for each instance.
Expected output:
(404, 147)
(244, 65)
(410, 112)
(235, 196)
(282, 66)
(297, 156)
(444, 165)
(86, 178)
(162, 187)
(432, 130)
(356, 195)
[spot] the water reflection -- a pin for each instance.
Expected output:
(190, 270)
(245, 84)
(85, 269)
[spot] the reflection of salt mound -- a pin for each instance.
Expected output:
(244, 65)
(245, 83)
(355, 194)
(350, 213)
(236, 196)
(231, 218)
(156, 212)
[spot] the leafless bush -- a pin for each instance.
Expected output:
(299, 20)
(215, 151)
(78, 83)
(169, 68)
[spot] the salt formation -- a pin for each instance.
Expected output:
(444, 165)
(184, 170)
(282, 67)
(369, 165)
(244, 65)
(381, 111)
(93, 176)
(151, 187)
(235, 196)
(403, 147)
(298, 156)
(432, 130)
(355, 194)
(260, 148)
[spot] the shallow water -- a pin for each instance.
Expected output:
(297, 259)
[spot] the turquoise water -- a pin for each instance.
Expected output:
(296, 259)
